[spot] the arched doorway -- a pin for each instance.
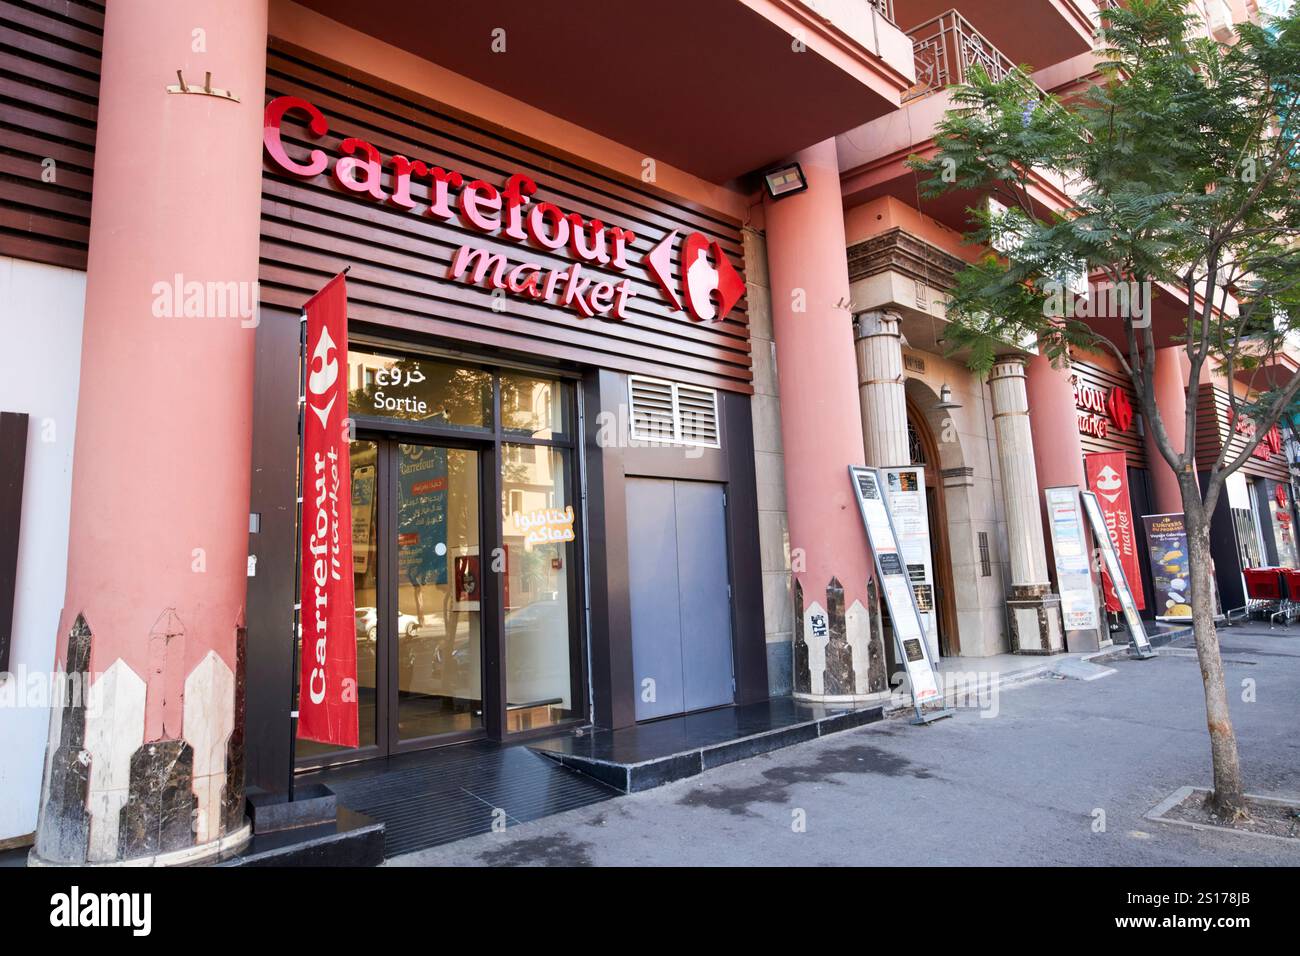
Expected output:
(925, 452)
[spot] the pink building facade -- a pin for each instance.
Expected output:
(571, 292)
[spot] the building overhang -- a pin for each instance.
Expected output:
(1168, 315)
(1273, 372)
(890, 175)
(718, 89)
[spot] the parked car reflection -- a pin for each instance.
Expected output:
(537, 653)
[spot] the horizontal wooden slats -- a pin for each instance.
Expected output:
(49, 92)
(1130, 442)
(400, 259)
(1212, 413)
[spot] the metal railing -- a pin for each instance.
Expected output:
(946, 48)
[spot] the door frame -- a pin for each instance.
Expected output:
(949, 632)
(391, 698)
(489, 443)
(733, 633)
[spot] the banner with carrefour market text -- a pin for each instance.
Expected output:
(1108, 477)
(327, 698)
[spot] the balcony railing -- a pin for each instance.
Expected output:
(946, 49)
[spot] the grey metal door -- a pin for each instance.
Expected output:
(680, 597)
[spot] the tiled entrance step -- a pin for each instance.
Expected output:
(652, 754)
(438, 796)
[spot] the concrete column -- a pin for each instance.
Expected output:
(881, 389)
(1034, 611)
(149, 766)
(835, 655)
(1171, 371)
(1058, 461)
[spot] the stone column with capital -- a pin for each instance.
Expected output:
(145, 756)
(881, 389)
(1034, 611)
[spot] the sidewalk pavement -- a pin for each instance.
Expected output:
(1048, 771)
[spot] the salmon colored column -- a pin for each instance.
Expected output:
(1058, 461)
(837, 654)
(1171, 371)
(1054, 417)
(148, 764)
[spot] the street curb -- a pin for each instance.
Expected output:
(1157, 814)
(901, 703)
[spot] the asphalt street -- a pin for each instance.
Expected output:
(1059, 772)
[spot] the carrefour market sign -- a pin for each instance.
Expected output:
(706, 286)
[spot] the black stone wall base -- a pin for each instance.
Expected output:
(651, 755)
(63, 831)
(1047, 609)
(232, 798)
(159, 813)
(838, 677)
(802, 671)
(352, 839)
(312, 804)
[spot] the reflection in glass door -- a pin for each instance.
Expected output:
(419, 597)
(437, 628)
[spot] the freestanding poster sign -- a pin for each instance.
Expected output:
(905, 489)
(1073, 564)
(900, 599)
(1141, 643)
(1170, 566)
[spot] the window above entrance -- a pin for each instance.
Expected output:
(418, 389)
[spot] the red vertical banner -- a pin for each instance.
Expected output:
(1108, 477)
(327, 698)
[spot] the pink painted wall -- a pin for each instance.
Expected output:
(887, 212)
(1058, 452)
(164, 422)
(1171, 372)
(821, 426)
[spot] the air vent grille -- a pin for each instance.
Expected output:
(673, 413)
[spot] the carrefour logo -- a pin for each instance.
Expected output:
(705, 270)
(324, 372)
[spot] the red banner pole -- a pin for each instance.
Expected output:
(331, 548)
(297, 557)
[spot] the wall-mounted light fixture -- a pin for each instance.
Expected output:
(945, 399)
(785, 181)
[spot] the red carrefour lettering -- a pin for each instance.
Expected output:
(274, 115)
(710, 287)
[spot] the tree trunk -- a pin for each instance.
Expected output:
(1228, 799)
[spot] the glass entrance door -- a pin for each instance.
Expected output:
(466, 554)
(437, 630)
(420, 597)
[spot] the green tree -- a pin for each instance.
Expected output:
(1181, 165)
